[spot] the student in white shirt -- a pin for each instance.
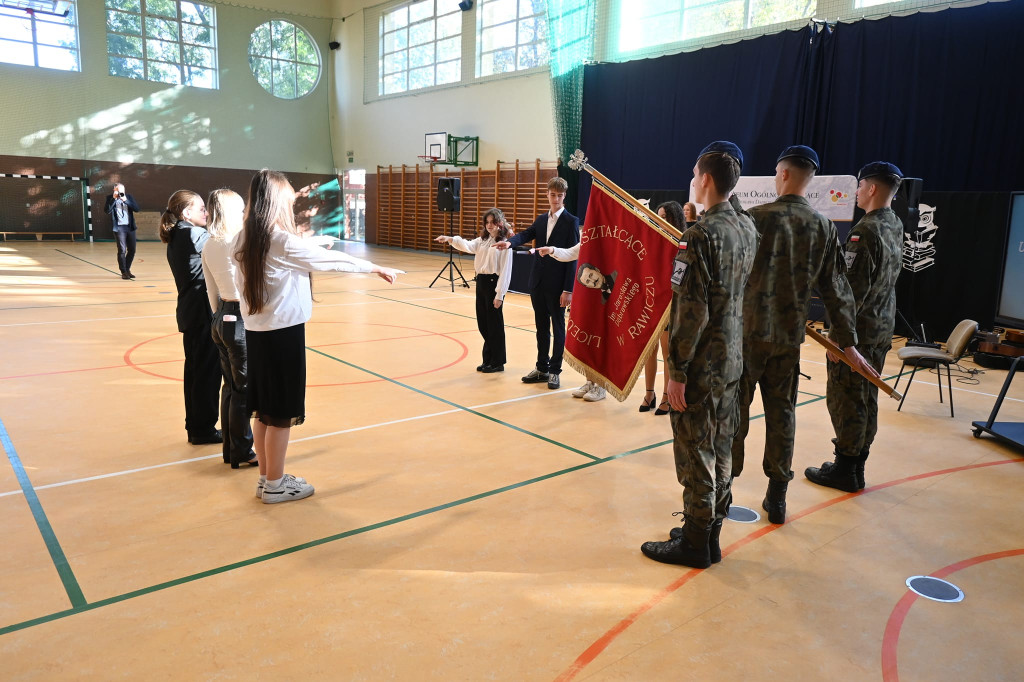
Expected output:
(493, 273)
(273, 280)
(226, 210)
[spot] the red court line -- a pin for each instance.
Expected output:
(602, 643)
(891, 638)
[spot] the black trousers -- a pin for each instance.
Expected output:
(229, 336)
(202, 380)
(490, 320)
(549, 317)
(125, 249)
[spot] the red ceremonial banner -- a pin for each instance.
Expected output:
(622, 294)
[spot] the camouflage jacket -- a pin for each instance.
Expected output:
(705, 345)
(874, 252)
(799, 252)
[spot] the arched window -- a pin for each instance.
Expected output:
(284, 59)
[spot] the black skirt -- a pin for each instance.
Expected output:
(276, 394)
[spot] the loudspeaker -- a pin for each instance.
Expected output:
(907, 201)
(448, 190)
(334, 44)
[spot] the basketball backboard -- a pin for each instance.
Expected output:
(436, 145)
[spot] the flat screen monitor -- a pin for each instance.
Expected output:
(1011, 294)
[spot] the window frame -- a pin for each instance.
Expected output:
(145, 37)
(34, 18)
(271, 58)
(480, 52)
(382, 37)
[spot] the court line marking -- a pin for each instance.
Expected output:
(97, 319)
(296, 440)
(57, 556)
(89, 262)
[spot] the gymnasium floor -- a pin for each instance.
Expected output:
(465, 526)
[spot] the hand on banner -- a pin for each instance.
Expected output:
(543, 250)
(501, 246)
(859, 362)
(676, 393)
(565, 299)
(389, 275)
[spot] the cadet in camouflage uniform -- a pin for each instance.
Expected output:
(704, 358)
(799, 251)
(873, 253)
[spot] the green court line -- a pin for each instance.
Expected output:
(455, 405)
(89, 262)
(437, 310)
(60, 561)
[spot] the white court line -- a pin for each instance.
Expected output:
(956, 388)
(95, 319)
(297, 440)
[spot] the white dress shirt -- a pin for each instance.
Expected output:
(290, 260)
(219, 271)
(488, 261)
(564, 255)
(552, 220)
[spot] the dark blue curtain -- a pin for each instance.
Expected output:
(937, 93)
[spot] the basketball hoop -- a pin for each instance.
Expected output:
(429, 159)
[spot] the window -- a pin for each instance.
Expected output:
(513, 35)
(647, 23)
(35, 38)
(418, 47)
(168, 41)
(284, 59)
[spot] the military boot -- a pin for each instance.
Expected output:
(714, 548)
(775, 501)
(841, 474)
(689, 549)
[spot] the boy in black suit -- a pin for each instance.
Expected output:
(551, 281)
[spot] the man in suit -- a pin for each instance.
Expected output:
(551, 281)
(121, 208)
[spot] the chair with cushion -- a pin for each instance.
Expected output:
(937, 358)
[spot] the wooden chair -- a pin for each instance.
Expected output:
(937, 358)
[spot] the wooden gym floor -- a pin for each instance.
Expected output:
(465, 526)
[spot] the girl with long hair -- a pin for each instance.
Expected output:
(181, 228)
(226, 210)
(493, 274)
(273, 280)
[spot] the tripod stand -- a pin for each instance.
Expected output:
(450, 266)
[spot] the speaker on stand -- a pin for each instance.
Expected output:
(449, 201)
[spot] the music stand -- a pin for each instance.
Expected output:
(450, 266)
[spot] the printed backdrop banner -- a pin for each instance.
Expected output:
(833, 196)
(622, 295)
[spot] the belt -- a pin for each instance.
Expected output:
(229, 306)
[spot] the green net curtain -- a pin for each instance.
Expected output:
(571, 26)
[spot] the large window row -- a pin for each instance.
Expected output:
(166, 41)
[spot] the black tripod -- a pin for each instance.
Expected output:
(451, 266)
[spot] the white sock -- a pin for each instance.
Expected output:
(275, 483)
(263, 478)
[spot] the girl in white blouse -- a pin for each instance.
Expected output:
(273, 280)
(493, 273)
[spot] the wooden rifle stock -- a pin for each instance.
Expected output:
(838, 352)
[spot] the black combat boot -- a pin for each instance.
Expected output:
(689, 549)
(841, 474)
(715, 549)
(775, 501)
(859, 470)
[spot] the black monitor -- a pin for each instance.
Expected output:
(1010, 310)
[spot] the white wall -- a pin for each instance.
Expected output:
(91, 115)
(512, 117)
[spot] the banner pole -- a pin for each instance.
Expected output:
(830, 345)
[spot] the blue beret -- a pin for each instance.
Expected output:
(724, 147)
(800, 151)
(879, 168)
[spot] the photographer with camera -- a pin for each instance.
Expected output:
(122, 207)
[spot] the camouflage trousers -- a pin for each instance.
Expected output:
(776, 368)
(702, 449)
(853, 403)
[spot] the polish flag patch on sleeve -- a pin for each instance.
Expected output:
(855, 238)
(682, 246)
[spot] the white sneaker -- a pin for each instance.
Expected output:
(583, 390)
(292, 487)
(595, 393)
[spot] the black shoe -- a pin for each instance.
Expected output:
(775, 501)
(553, 381)
(664, 407)
(714, 547)
(125, 275)
(535, 377)
(207, 439)
(481, 368)
(841, 474)
(689, 549)
(253, 461)
(860, 472)
(648, 406)
(130, 275)
(491, 369)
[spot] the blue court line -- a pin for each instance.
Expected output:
(60, 561)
